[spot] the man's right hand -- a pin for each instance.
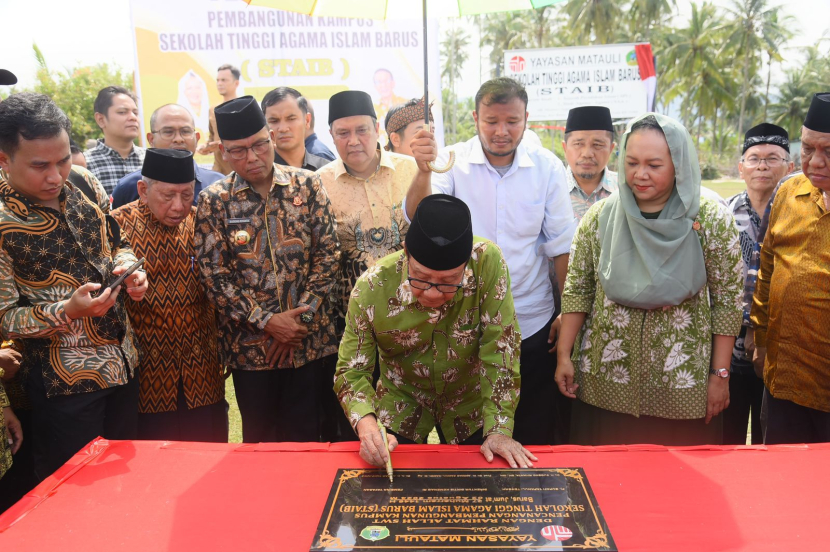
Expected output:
(371, 441)
(286, 328)
(82, 304)
(424, 149)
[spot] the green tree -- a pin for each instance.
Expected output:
(648, 16)
(74, 90)
(503, 31)
(753, 29)
(794, 96)
(594, 21)
(454, 55)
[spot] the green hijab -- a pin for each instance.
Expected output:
(647, 264)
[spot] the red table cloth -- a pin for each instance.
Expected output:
(150, 496)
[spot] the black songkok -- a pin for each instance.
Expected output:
(589, 117)
(818, 116)
(441, 234)
(350, 103)
(239, 118)
(169, 165)
(766, 133)
(7, 77)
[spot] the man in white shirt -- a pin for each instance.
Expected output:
(519, 199)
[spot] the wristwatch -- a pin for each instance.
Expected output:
(720, 372)
(307, 317)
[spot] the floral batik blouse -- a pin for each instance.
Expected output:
(653, 362)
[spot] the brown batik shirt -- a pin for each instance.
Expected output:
(45, 255)
(175, 324)
(370, 222)
(248, 284)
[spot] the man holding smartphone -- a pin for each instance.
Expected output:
(57, 250)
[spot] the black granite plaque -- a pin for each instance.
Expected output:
(455, 509)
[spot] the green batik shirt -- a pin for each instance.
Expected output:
(456, 365)
(653, 362)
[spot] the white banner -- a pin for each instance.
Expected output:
(181, 43)
(558, 79)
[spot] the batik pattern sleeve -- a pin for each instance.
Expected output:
(356, 361)
(325, 247)
(5, 450)
(500, 343)
(581, 283)
(724, 267)
(224, 285)
(16, 321)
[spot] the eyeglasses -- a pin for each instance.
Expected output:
(772, 162)
(259, 148)
(170, 133)
(424, 285)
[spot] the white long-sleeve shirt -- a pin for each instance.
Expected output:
(527, 213)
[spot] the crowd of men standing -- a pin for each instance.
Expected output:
(374, 288)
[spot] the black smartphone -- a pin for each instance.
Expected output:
(120, 280)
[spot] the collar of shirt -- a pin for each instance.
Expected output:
(311, 162)
(280, 178)
(816, 195)
(18, 204)
(106, 150)
(385, 161)
(603, 182)
(477, 157)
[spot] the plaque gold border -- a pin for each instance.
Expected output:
(599, 539)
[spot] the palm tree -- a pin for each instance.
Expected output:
(645, 15)
(593, 20)
(454, 54)
(777, 34)
(503, 31)
(753, 27)
(794, 97)
(692, 50)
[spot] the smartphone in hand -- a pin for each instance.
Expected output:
(123, 276)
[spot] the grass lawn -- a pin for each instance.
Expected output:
(726, 188)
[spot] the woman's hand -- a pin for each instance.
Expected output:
(565, 377)
(717, 396)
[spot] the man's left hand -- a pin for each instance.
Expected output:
(717, 396)
(10, 361)
(14, 428)
(554, 333)
(512, 451)
(136, 282)
(279, 354)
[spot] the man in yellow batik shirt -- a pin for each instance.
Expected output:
(791, 307)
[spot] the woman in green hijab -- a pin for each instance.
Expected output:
(652, 297)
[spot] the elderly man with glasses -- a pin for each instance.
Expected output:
(267, 252)
(764, 162)
(171, 127)
(440, 316)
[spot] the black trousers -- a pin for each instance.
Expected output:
(20, 479)
(291, 404)
(63, 425)
(207, 423)
(786, 422)
(543, 413)
(746, 392)
(594, 426)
